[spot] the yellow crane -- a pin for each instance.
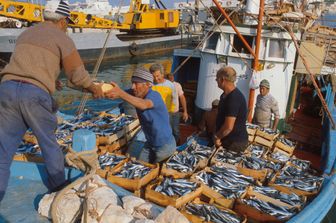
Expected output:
(142, 17)
(27, 13)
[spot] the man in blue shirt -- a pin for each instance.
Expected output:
(152, 114)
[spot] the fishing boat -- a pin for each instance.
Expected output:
(198, 78)
(263, 49)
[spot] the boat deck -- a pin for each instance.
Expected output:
(307, 132)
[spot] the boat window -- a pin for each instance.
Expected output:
(211, 43)
(136, 17)
(276, 48)
(170, 17)
(239, 47)
(162, 16)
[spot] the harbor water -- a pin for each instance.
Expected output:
(119, 72)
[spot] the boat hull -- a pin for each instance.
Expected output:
(91, 42)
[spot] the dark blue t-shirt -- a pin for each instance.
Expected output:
(234, 105)
(155, 121)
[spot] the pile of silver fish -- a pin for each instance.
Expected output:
(200, 151)
(256, 163)
(101, 125)
(270, 131)
(110, 160)
(302, 164)
(132, 170)
(280, 212)
(256, 150)
(287, 142)
(297, 178)
(252, 126)
(183, 162)
(233, 174)
(291, 199)
(227, 156)
(212, 214)
(227, 184)
(178, 187)
(279, 156)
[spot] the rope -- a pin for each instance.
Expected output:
(85, 161)
(206, 37)
(94, 73)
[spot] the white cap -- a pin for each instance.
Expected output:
(55, 9)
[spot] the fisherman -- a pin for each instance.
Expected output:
(266, 105)
(232, 113)
(28, 82)
(166, 89)
(152, 113)
(176, 116)
(207, 126)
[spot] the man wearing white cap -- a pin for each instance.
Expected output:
(152, 114)
(266, 105)
(28, 82)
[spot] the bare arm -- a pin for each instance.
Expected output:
(225, 130)
(184, 106)
(275, 125)
(139, 103)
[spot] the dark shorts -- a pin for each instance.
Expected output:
(237, 146)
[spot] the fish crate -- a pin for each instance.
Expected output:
(251, 138)
(259, 175)
(26, 157)
(286, 189)
(175, 200)
(168, 172)
(263, 141)
(121, 137)
(280, 152)
(256, 150)
(285, 145)
(255, 214)
(199, 219)
(104, 172)
(251, 128)
(133, 184)
(30, 138)
(212, 195)
(202, 152)
(268, 134)
(216, 158)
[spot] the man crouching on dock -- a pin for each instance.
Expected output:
(28, 82)
(152, 114)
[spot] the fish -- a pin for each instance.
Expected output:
(110, 160)
(175, 187)
(211, 213)
(182, 162)
(280, 212)
(132, 170)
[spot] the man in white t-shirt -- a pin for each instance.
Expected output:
(175, 116)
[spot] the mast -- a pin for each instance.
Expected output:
(248, 47)
(256, 59)
(255, 53)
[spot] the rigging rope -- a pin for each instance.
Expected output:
(87, 162)
(205, 38)
(94, 74)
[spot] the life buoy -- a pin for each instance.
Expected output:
(133, 49)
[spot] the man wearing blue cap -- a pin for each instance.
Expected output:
(27, 85)
(152, 114)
